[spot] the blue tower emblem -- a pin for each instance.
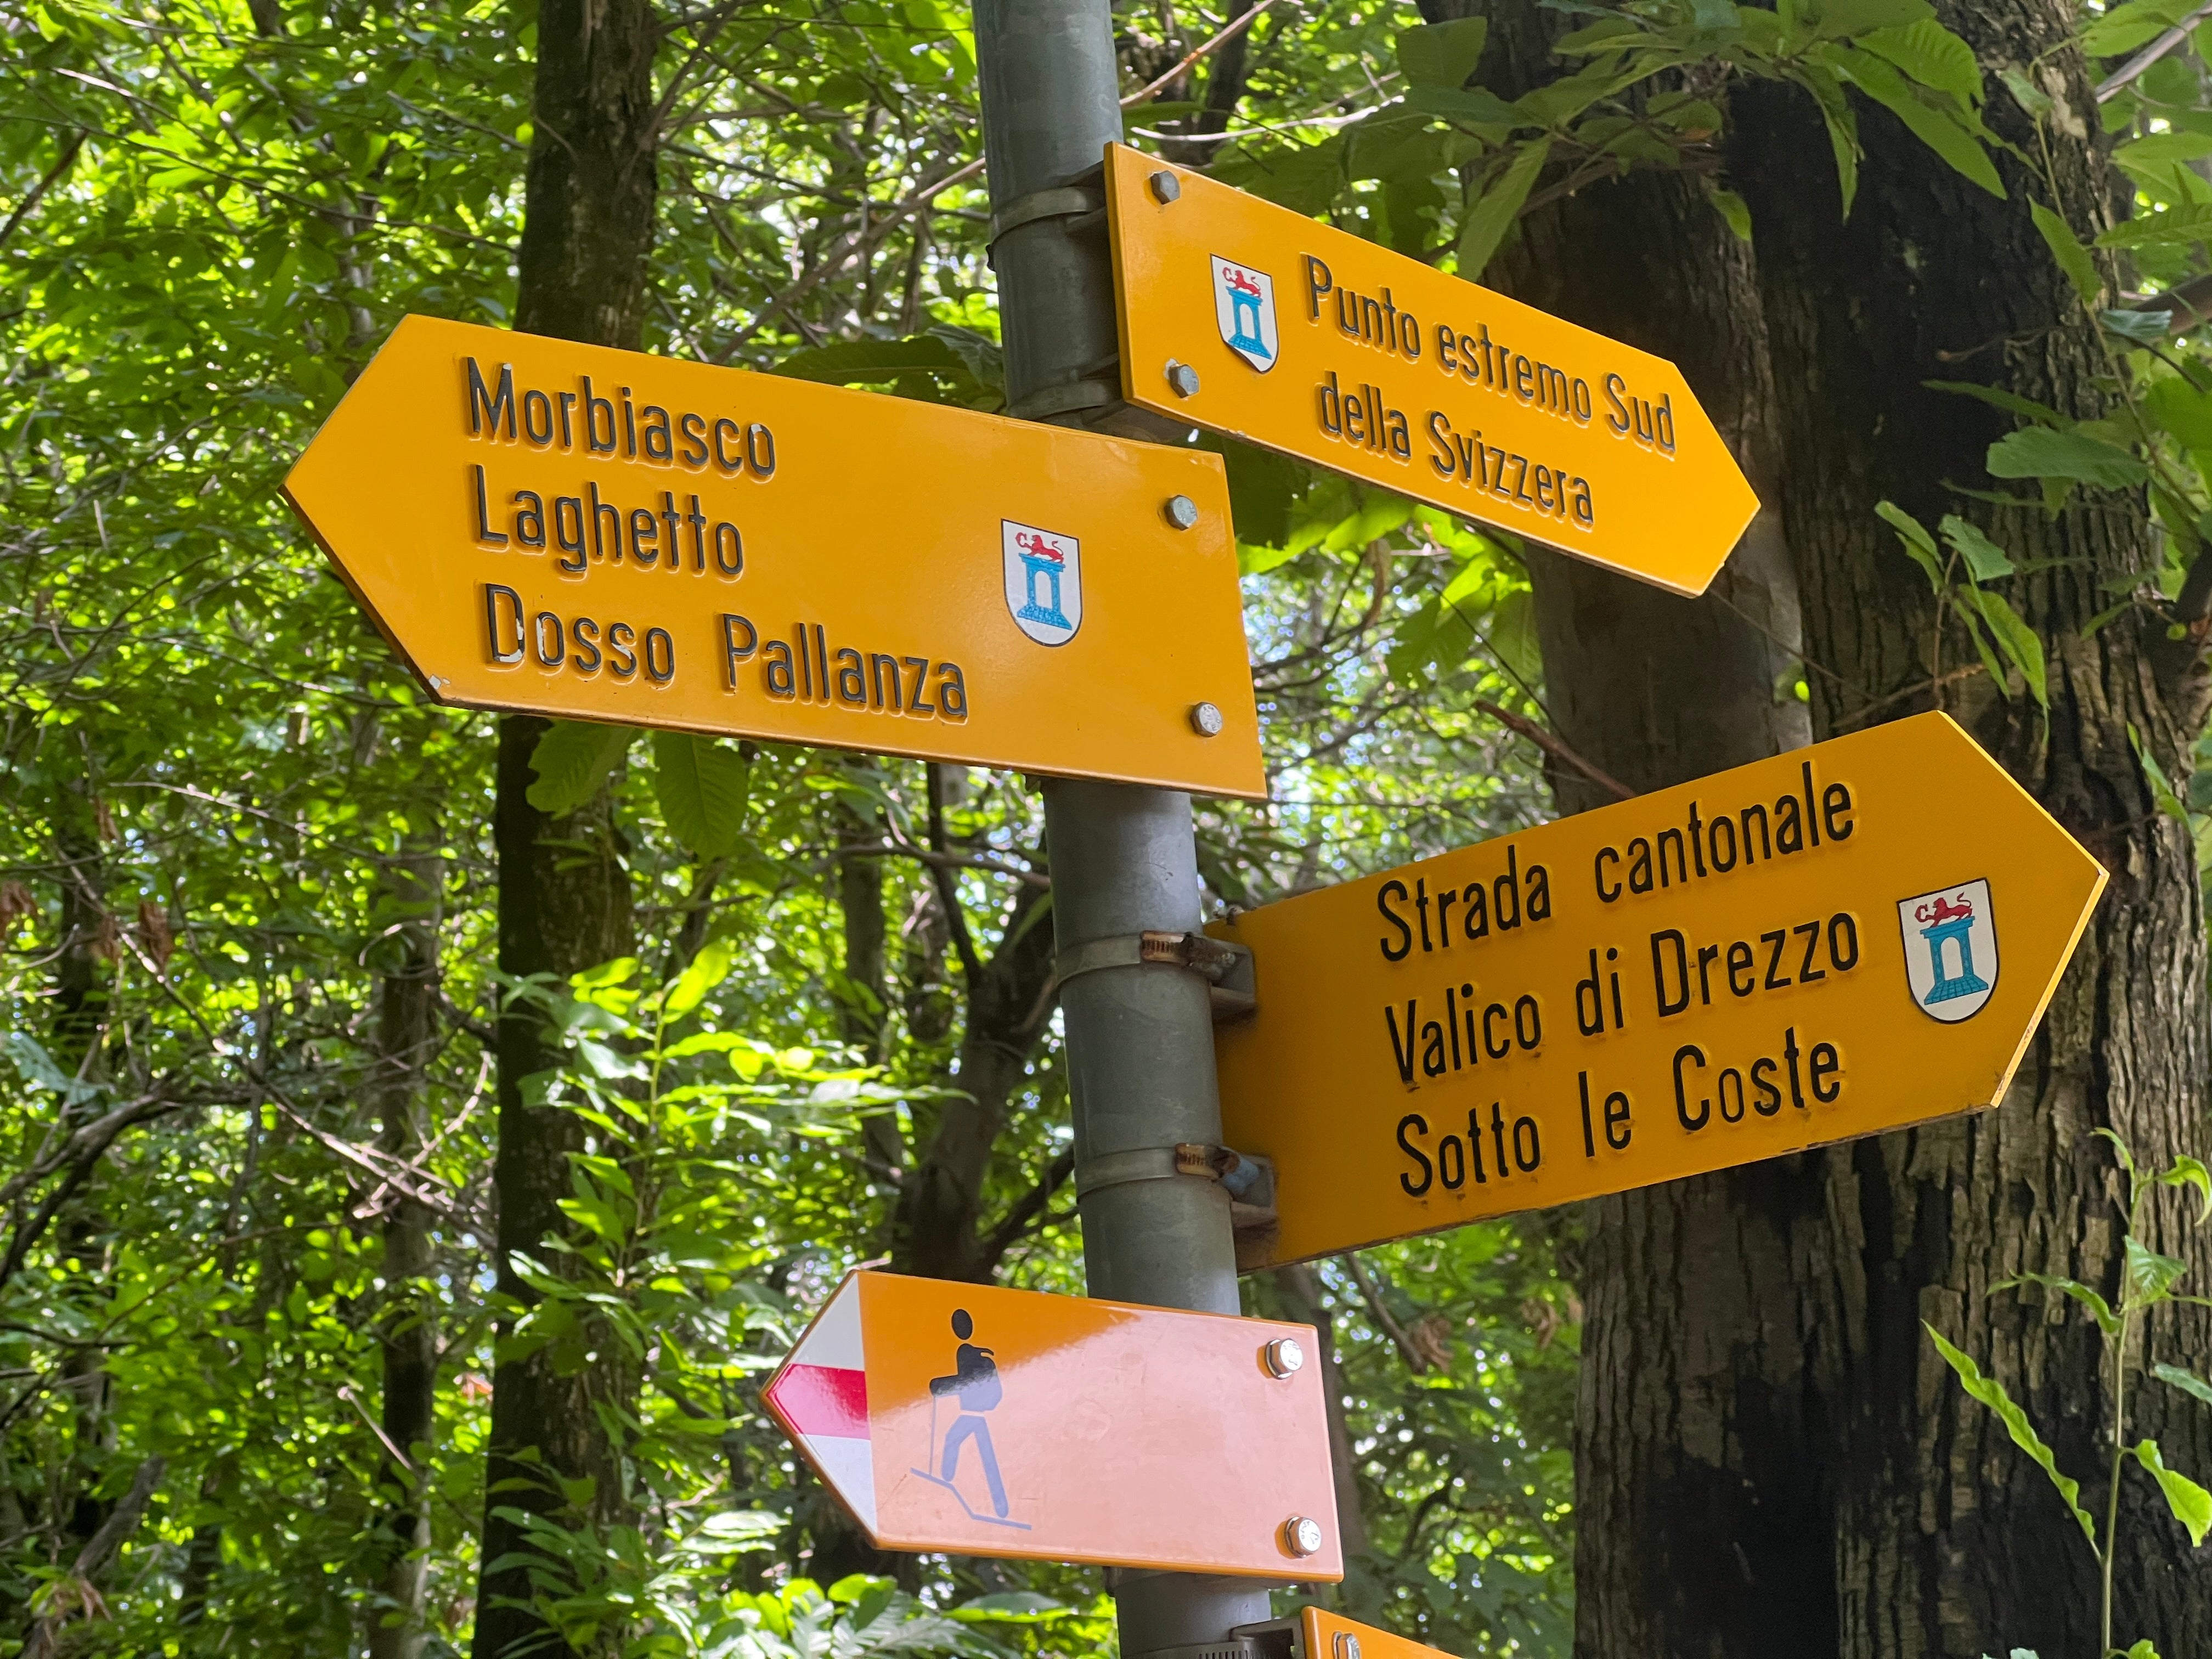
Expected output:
(1042, 561)
(1245, 311)
(1044, 582)
(1950, 950)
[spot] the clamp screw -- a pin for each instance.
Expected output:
(1283, 1357)
(1182, 512)
(1165, 185)
(1206, 720)
(1301, 1536)
(1183, 378)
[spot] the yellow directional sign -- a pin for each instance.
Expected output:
(1256, 321)
(986, 1421)
(1836, 941)
(605, 535)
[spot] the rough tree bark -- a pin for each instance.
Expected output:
(565, 900)
(1948, 1541)
(406, 1034)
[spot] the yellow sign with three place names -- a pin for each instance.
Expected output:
(569, 529)
(1250, 319)
(1836, 941)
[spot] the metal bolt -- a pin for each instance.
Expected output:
(1301, 1536)
(1165, 185)
(1347, 1645)
(1183, 378)
(1206, 720)
(1182, 512)
(1283, 1357)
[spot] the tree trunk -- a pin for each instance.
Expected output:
(1948, 1541)
(1699, 1525)
(565, 900)
(408, 1331)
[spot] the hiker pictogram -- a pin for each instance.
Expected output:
(972, 1389)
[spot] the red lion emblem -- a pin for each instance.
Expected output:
(1038, 548)
(1943, 910)
(1239, 282)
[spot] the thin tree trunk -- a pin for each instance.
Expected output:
(408, 1331)
(1948, 1541)
(565, 899)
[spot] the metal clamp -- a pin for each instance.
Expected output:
(1225, 966)
(1067, 201)
(1185, 1158)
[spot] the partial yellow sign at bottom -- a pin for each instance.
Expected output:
(1317, 1634)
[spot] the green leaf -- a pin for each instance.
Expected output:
(1838, 18)
(1442, 54)
(2011, 402)
(1305, 177)
(2163, 796)
(1512, 635)
(1940, 129)
(1842, 125)
(700, 786)
(1473, 105)
(2038, 452)
(2180, 226)
(2073, 258)
(1489, 220)
(2018, 642)
(2187, 1171)
(1931, 55)
(572, 759)
(2164, 149)
(1731, 208)
(2188, 1381)
(709, 968)
(2190, 1503)
(2124, 27)
(1992, 1392)
(1985, 560)
(1916, 540)
(2147, 1276)
(2100, 1309)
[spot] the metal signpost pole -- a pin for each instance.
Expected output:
(1140, 1038)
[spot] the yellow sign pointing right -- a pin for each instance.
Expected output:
(1250, 319)
(1839, 940)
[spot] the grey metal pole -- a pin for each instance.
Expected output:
(1140, 1038)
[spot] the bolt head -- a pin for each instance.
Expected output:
(1301, 1536)
(1182, 511)
(1165, 185)
(1284, 1357)
(1206, 720)
(1183, 378)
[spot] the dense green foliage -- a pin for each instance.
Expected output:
(214, 769)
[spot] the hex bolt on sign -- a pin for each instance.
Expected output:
(1283, 1357)
(1206, 720)
(1182, 512)
(1182, 378)
(1165, 185)
(1301, 1536)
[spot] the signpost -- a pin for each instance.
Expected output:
(985, 1421)
(1256, 321)
(569, 529)
(1838, 940)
